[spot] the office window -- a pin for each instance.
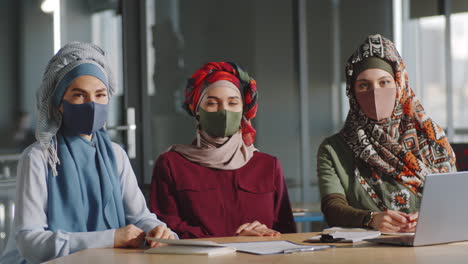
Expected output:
(425, 53)
(459, 51)
(432, 64)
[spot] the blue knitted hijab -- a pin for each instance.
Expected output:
(84, 190)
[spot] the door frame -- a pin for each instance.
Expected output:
(135, 82)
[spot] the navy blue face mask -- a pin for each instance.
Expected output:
(84, 118)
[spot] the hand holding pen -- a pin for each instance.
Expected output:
(390, 221)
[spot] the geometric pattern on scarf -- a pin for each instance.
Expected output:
(229, 71)
(401, 149)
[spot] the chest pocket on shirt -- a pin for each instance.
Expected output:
(256, 187)
(199, 198)
(195, 187)
(257, 199)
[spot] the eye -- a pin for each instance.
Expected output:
(101, 95)
(211, 103)
(78, 95)
(362, 86)
(386, 82)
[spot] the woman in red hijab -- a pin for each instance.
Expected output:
(221, 185)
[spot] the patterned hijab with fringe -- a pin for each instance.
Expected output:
(400, 150)
(49, 118)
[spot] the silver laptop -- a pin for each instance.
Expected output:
(443, 216)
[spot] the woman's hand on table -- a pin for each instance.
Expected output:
(128, 236)
(412, 222)
(391, 221)
(161, 231)
(256, 229)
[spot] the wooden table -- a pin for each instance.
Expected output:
(359, 253)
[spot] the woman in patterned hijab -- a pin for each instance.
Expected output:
(386, 147)
(221, 185)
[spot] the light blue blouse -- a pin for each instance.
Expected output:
(31, 242)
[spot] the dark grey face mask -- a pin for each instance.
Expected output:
(84, 118)
(223, 123)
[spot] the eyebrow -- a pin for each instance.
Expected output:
(101, 90)
(230, 97)
(83, 91)
(78, 90)
(377, 79)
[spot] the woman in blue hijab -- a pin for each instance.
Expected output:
(75, 188)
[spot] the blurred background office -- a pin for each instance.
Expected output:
(295, 49)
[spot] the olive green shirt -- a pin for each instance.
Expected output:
(336, 174)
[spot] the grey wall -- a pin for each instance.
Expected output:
(320, 50)
(359, 18)
(25, 48)
(9, 17)
(222, 32)
(277, 122)
(425, 8)
(36, 45)
(75, 21)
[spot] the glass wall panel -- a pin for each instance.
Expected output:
(431, 66)
(460, 70)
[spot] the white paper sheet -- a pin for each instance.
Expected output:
(195, 247)
(186, 242)
(191, 250)
(272, 247)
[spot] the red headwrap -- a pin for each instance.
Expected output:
(229, 71)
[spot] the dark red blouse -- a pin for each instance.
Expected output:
(196, 201)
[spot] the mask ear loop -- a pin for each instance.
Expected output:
(198, 136)
(198, 139)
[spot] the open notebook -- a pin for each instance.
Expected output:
(190, 247)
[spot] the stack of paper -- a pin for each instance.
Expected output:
(190, 247)
(211, 248)
(349, 235)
